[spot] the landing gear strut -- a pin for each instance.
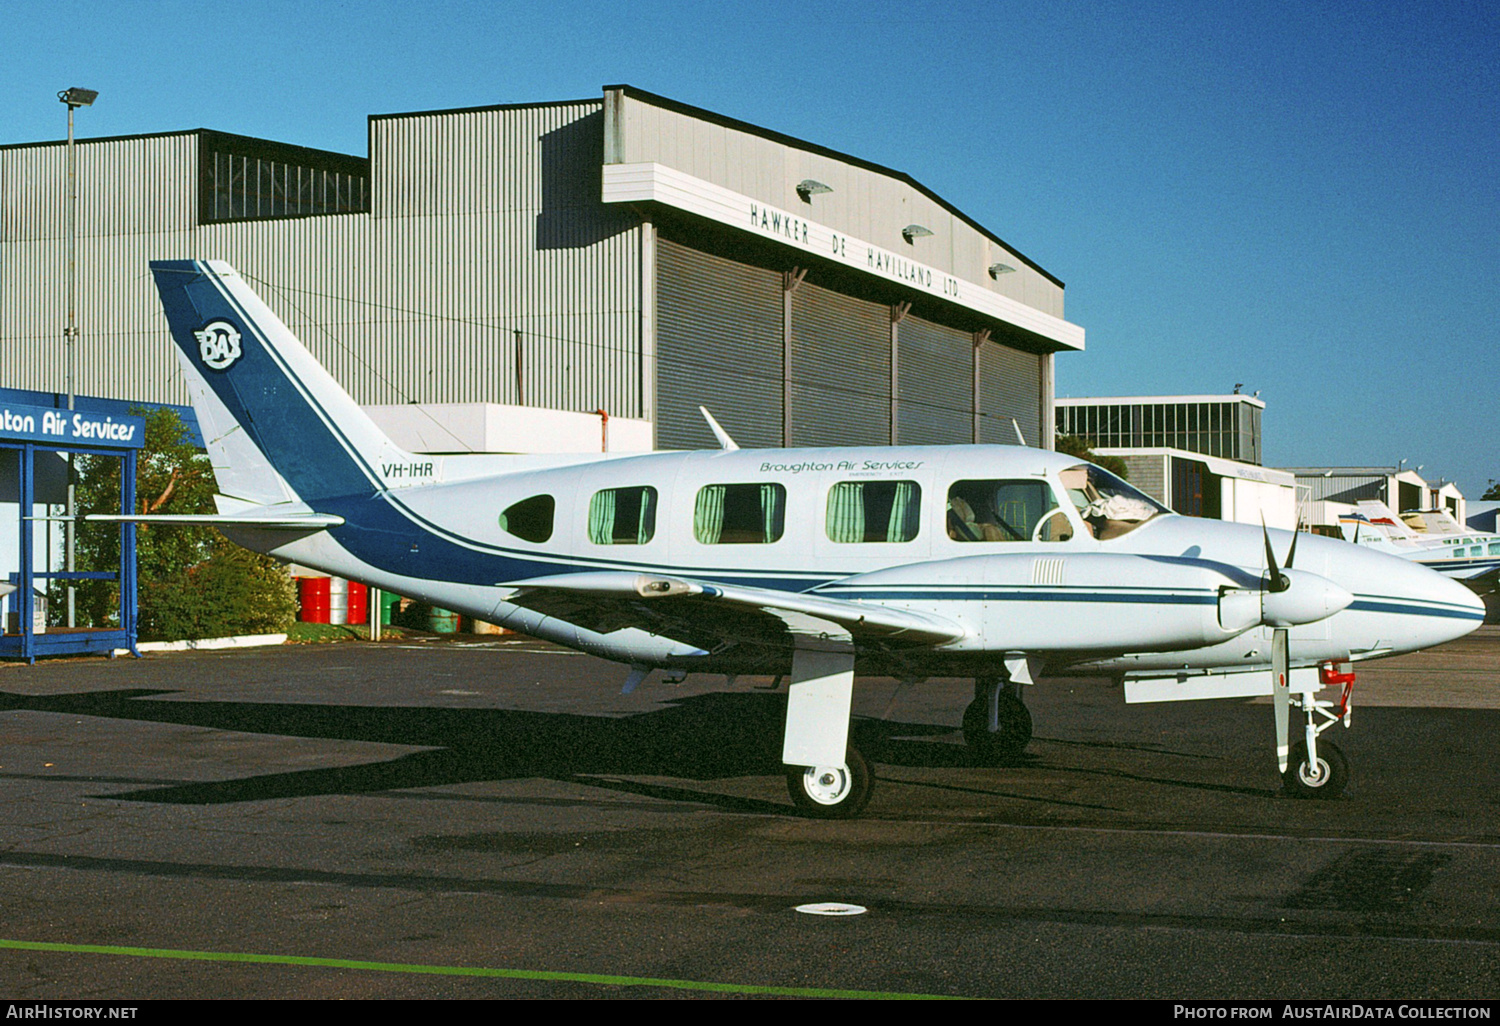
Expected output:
(997, 724)
(1317, 768)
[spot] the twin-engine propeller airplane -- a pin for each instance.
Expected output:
(1000, 563)
(1430, 537)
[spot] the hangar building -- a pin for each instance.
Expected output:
(626, 254)
(1199, 454)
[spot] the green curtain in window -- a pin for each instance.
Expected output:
(602, 518)
(770, 510)
(905, 506)
(708, 514)
(646, 526)
(846, 512)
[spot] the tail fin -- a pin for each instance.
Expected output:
(1387, 522)
(277, 426)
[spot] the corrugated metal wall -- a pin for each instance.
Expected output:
(869, 204)
(136, 201)
(484, 223)
(1010, 386)
(934, 383)
(718, 344)
(841, 369)
(1149, 474)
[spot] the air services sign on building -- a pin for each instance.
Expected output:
(45, 426)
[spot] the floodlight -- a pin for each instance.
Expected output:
(808, 188)
(76, 97)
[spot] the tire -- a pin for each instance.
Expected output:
(1007, 742)
(831, 792)
(1332, 777)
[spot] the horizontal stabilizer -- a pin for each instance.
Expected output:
(299, 522)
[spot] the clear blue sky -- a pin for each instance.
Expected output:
(1301, 196)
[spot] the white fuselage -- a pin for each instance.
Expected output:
(1149, 599)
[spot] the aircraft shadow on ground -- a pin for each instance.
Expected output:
(701, 737)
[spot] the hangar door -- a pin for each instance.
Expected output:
(934, 384)
(1010, 386)
(718, 344)
(841, 369)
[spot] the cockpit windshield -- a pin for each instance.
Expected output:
(1107, 504)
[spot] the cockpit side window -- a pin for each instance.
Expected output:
(1005, 511)
(1108, 505)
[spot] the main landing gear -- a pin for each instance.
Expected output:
(997, 724)
(831, 792)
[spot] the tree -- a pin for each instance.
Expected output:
(193, 582)
(1494, 491)
(1083, 448)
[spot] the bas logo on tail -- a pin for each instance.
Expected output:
(218, 344)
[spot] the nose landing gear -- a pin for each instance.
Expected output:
(1317, 768)
(997, 724)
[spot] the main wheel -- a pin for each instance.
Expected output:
(831, 792)
(1007, 742)
(1327, 779)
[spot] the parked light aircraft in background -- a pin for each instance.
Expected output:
(1430, 537)
(1000, 563)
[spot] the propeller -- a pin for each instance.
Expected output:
(1279, 581)
(1281, 692)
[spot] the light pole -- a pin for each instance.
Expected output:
(74, 98)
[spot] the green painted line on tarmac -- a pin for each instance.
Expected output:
(460, 970)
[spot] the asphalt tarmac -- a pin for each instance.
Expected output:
(478, 818)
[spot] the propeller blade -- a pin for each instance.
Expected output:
(1291, 553)
(1279, 581)
(1281, 694)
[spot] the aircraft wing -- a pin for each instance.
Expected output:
(708, 614)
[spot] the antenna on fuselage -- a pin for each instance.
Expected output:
(1017, 425)
(725, 442)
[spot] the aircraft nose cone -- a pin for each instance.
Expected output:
(1445, 608)
(1468, 607)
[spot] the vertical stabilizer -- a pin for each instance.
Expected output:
(278, 427)
(1380, 515)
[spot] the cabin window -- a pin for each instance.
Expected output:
(623, 516)
(530, 519)
(740, 514)
(1495, 548)
(1108, 505)
(1005, 511)
(874, 511)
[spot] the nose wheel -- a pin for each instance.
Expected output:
(997, 724)
(831, 792)
(1323, 776)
